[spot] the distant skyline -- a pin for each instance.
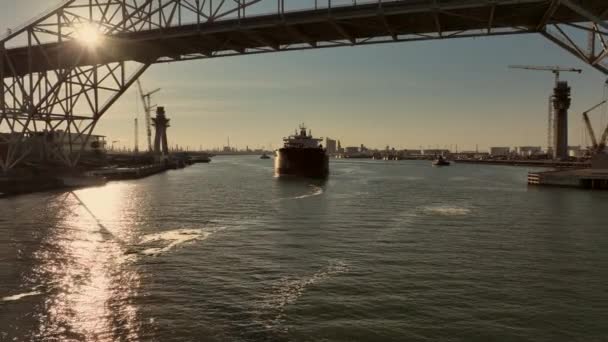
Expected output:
(407, 95)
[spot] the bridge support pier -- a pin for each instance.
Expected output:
(561, 103)
(161, 123)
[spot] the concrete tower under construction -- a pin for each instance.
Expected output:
(161, 123)
(561, 104)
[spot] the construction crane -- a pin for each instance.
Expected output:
(136, 143)
(597, 146)
(556, 70)
(146, 99)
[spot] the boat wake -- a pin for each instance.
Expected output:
(315, 191)
(413, 178)
(447, 210)
(20, 296)
(161, 243)
(459, 179)
(399, 223)
(289, 290)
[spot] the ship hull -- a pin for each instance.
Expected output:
(304, 162)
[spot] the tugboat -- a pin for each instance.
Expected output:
(202, 158)
(440, 161)
(302, 155)
(264, 156)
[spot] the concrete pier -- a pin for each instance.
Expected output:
(561, 104)
(594, 178)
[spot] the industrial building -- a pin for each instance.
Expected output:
(407, 152)
(66, 142)
(472, 155)
(435, 152)
(528, 151)
(351, 150)
(500, 151)
(576, 151)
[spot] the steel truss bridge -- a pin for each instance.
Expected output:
(53, 83)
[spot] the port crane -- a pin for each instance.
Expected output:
(556, 70)
(146, 99)
(597, 146)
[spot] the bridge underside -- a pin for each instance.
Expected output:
(53, 82)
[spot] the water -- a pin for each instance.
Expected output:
(382, 251)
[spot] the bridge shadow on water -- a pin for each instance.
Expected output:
(127, 248)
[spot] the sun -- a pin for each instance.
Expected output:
(89, 35)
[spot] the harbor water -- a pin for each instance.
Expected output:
(380, 251)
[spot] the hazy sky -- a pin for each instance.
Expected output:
(406, 94)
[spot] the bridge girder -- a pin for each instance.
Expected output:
(55, 86)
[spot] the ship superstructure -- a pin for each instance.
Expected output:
(302, 155)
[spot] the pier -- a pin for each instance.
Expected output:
(593, 178)
(585, 179)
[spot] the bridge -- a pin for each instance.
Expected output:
(62, 71)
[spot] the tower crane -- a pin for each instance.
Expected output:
(146, 99)
(556, 70)
(597, 146)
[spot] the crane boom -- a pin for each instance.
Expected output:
(595, 145)
(546, 68)
(554, 69)
(602, 144)
(153, 92)
(146, 100)
(590, 130)
(141, 90)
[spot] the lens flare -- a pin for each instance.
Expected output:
(89, 35)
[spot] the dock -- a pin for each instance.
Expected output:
(583, 178)
(594, 178)
(125, 173)
(528, 163)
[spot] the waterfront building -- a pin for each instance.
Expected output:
(351, 150)
(41, 144)
(435, 152)
(330, 146)
(63, 140)
(472, 155)
(576, 151)
(527, 151)
(408, 152)
(500, 151)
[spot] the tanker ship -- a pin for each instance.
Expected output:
(302, 155)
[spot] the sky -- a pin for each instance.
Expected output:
(408, 95)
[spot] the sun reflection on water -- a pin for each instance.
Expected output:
(90, 279)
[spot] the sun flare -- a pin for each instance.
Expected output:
(89, 35)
